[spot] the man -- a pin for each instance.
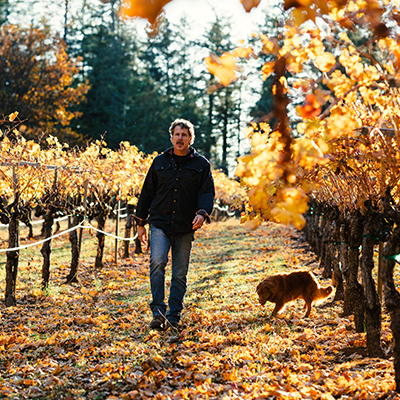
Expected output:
(176, 199)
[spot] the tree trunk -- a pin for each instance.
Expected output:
(128, 227)
(138, 244)
(12, 263)
(73, 238)
(343, 256)
(335, 243)
(312, 227)
(58, 227)
(329, 251)
(353, 295)
(101, 222)
(46, 248)
(372, 303)
(322, 246)
(316, 236)
(391, 295)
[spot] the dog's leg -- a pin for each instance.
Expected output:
(308, 305)
(279, 305)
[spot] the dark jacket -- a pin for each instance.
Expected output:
(172, 196)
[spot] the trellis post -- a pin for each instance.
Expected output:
(15, 188)
(85, 193)
(117, 225)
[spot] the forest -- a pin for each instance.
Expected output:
(114, 82)
(320, 184)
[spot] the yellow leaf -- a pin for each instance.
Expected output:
(325, 62)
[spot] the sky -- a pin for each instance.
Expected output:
(201, 12)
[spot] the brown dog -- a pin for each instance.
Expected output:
(282, 288)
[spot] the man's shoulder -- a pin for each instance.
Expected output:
(200, 158)
(161, 158)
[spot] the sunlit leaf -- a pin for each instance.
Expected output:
(224, 67)
(148, 9)
(249, 4)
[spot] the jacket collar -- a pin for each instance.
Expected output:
(192, 152)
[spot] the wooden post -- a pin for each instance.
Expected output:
(85, 212)
(117, 225)
(380, 256)
(380, 263)
(12, 256)
(15, 187)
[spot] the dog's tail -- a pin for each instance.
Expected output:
(324, 292)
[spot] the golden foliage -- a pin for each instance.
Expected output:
(41, 81)
(109, 172)
(228, 191)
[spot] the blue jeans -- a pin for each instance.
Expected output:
(181, 246)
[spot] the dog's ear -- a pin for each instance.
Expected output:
(259, 286)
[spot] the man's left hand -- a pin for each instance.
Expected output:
(198, 222)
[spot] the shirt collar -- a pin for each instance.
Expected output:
(192, 153)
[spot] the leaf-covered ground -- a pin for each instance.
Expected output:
(91, 340)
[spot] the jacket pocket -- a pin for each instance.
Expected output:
(164, 173)
(194, 175)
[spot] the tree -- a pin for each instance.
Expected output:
(37, 80)
(172, 68)
(107, 58)
(273, 26)
(4, 11)
(223, 102)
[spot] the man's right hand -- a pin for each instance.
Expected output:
(142, 234)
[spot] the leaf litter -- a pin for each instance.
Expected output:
(91, 340)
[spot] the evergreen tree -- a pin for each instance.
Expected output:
(166, 58)
(107, 49)
(223, 104)
(4, 11)
(273, 26)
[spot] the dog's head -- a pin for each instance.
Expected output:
(263, 292)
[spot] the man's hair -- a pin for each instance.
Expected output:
(183, 123)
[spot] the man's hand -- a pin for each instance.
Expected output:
(198, 222)
(142, 234)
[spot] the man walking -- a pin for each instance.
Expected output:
(176, 199)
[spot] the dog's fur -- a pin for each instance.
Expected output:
(282, 288)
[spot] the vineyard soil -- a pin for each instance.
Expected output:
(90, 340)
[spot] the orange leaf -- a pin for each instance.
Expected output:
(243, 52)
(249, 4)
(267, 69)
(223, 67)
(148, 9)
(310, 109)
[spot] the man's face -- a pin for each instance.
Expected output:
(180, 138)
